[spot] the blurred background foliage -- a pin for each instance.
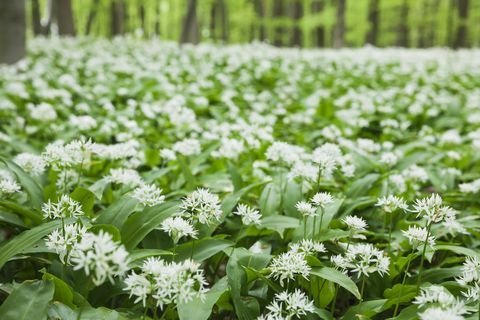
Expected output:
(302, 23)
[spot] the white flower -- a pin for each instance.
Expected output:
(355, 224)
(65, 207)
(287, 265)
(30, 163)
(470, 187)
(303, 170)
(435, 313)
(248, 214)
(99, 256)
(306, 209)
(168, 154)
(202, 206)
(187, 147)
(363, 259)
(321, 199)
(441, 304)
(417, 236)
(391, 203)
(470, 271)
(284, 152)
(431, 208)
(167, 283)
(149, 195)
(289, 305)
(62, 240)
(9, 186)
(177, 228)
(308, 247)
(127, 177)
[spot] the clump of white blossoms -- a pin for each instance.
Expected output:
(8, 184)
(440, 304)
(432, 209)
(288, 305)
(100, 257)
(285, 153)
(418, 236)
(329, 158)
(149, 195)
(470, 187)
(60, 155)
(306, 209)
(288, 265)
(177, 228)
(248, 214)
(167, 283)
(391, 203)
(201, 206)
(356, 225)
(187, 147)
(128, 177)
(308, 247)
(322, 199)
(471, 278)
(62, 240)
(362, 259)
(30, 163)
(65, 207)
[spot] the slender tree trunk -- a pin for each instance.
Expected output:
(297, 13)
(213, 21)
(433, 24)
(117, 11)
(461, 40)
(339, 32)
(13, 27)
(373, 19)
(422, 30)
(279, 30)
(36, 18)
(190, 30)
(157, 18)
(259, 6)
(318, 31)
(402, 29)
(91, 17)
(64, 16)
(141, 14)
(450, 12)
(224, 20)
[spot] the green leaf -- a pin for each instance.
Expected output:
(29, 185)
(292, 195)
(279, 223)
(29, 301)
(235, 176)
(136, 257)
(367, 309)
(361, 186)
(399, 294)
(99, 313)
(27, 239)
(270, 199)
(202, 249)
(108, 228)
(457, 250)
(200, 309)
(85, 197)
(11, 218)
(187, 173)
(63, 292)
(33, 215)
(139, 224)
(118, 212)
(338, 277)
(59, 311)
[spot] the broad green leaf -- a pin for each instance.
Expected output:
(200, 309)
(136, 257)
(292, 195)
(107, 228)
(29, 185)
(142, 223)
(27, 302)
(31, 214)
(187, 172)
(279, 223)
(63, 292)
(338, 277)
(361, 186)
(458, 250)
(118, 212)
(399, 294)
(270, 199)
(99, 313)
(27, 239)
(235, 176)
(59, 311)
(366, 309)
(85, 197)
(12, 219)
(202, 249)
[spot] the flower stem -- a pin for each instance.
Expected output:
(362, 289)
(420, 269)
(397, 304)
(304, 227)
(314, 226)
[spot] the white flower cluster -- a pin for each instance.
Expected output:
(362, 259)
(391, 203)
(149, 195)
(440, 304)
(8, 184)
(288, 305)
(177, 228)
(308, 247)
(30, 163)
(99, 256)
(329, 158)
(201, 205)
(64, 207)
(288, 265)
(128, 177)
(248, 214)
(319, 200)
(63, 240)
(417, 236)
(471, 278)
(167, 283)
(356, 225)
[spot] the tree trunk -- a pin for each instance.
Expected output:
(422, 30)
(13, 27)
(402, 30)
(157, 18)
(260, 11)
(373, 14)
(141, 14)
(223, 11)
(91, 17)
(339, 32)
(461, 40)
(297, 13)
(279, 31)
(449, 38)
(64, 16)
(117, 11)
(36, 19)
(190, 30)
(318, 31)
